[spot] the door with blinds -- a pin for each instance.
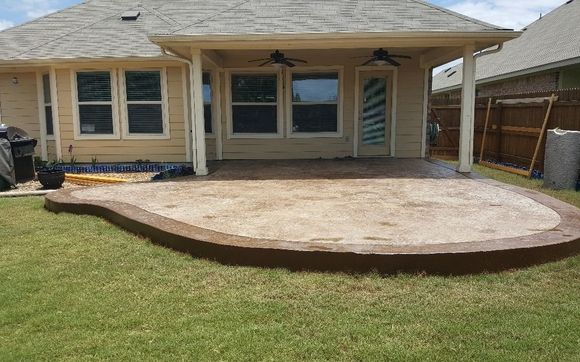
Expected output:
(374, 118)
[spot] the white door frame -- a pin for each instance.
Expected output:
(357, 90)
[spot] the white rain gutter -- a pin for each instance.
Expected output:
(488, 52)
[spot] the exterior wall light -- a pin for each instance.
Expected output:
(15, 80)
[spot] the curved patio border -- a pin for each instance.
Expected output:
(449, 259)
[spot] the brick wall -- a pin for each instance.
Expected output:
(534, 83)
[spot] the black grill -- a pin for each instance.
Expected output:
(22, 149)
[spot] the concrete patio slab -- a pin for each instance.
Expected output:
(387, 210)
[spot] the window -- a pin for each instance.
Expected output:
(315, 107)
(95, 104)
(207, 97)
(144, 103)
(47, 104)
(254, 104)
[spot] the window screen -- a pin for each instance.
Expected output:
(47, 105)
(95, 103)
(315, 102)
(144, 102)
(255, 103)
(207, 97)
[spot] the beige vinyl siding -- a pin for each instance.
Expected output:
(20, 108)
(19, 103)
(289, 148)
(409, 112)
(210, 145)
(126, 150)
(51, 150)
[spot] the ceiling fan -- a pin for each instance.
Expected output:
(383, 57)
(278, 59)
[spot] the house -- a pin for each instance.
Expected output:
(177, 81)
(545, 58)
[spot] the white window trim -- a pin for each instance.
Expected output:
(41, 115)
(339, 103)
(164, 106)
(49, 137)
(114, 106)
(279, 102)
(212, 104)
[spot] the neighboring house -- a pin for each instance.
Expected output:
(546, 57)
(171, 80)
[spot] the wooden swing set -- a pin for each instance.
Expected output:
(553, 98)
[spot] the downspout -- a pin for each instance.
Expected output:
(192, 134)
(479, 55)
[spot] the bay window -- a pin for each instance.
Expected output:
(254, 104)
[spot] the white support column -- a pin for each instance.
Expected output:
(55, 112)
(186, 114)
(198, 123)
(217, 112)
(426, 79)
(467, 111)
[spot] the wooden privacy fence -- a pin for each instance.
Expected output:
(513, 128)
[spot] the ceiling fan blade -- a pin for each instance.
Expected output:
(297, 60)
(400, 56)
(266, 63)
(392, 62)
(362, 56)
(369, 61)
(290, 64)
(258, 60)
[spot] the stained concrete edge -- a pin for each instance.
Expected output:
(460, 258)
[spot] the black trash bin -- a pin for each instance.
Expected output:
(22, 147)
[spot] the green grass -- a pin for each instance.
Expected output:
(76, 287)
(569, 196)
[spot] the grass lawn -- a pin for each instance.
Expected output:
(569, 196)
(76, 287)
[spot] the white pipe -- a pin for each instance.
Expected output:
(489, 52)
(179, 58)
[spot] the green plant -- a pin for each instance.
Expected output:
(39, 162)
(73, 159)
(94, 161)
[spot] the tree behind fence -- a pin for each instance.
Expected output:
(513, 129)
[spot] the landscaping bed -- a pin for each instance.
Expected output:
(133, 172)
(34, 185)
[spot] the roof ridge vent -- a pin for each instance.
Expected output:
(130, 15)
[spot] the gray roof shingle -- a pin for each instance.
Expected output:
(94, 29)
(550, 40)
(331, 16)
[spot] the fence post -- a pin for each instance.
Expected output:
(498, 133)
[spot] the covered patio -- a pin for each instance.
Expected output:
(382, 214)
(326, 95)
